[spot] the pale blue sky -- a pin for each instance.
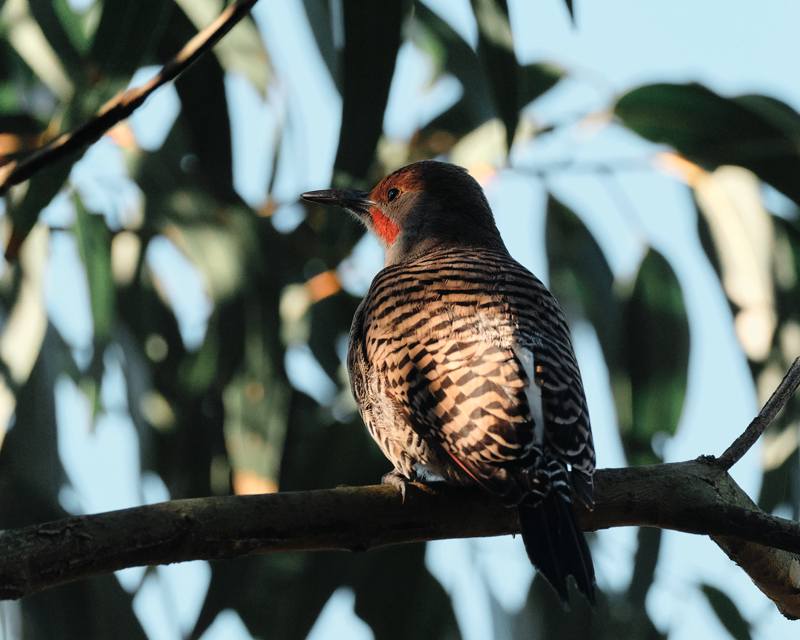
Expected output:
(734, 47)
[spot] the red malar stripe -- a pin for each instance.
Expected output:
(386, 229)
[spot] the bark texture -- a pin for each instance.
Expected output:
(696, 497)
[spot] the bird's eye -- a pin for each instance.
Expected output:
(392, 194)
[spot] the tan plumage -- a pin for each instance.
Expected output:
(462, 366)
(437, 363)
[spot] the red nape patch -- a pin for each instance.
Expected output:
(385, 228)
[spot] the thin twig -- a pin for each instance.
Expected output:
(126, 102)
(776, 402)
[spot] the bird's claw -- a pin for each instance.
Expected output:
(398, 481)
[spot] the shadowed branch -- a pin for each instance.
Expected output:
(695, 497)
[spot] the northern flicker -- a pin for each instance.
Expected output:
(461, 363)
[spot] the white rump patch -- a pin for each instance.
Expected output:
(533, 392)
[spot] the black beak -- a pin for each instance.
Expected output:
(356, 201)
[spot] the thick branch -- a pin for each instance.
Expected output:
(696, 497)
(782, 394)
(122, 105)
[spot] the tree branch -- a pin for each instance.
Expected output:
(695, 497)
(782, 394)
(121, 106)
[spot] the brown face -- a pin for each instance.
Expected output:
(421, 205)
(382, 209)
(390, 198)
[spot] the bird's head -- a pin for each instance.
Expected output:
(421, 207)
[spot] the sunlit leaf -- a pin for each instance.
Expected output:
(727, 612)
(27, 38)
(742, 235)
(754, 132)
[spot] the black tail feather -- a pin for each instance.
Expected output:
(556, 545)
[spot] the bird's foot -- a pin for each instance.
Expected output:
(398, 481)
(707, 459)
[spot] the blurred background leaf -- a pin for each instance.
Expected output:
(698, 123)
(656, 348)
(202, 332)
(727, 612)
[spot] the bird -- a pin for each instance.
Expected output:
(462, 365)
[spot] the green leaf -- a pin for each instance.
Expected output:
(330, 319)
(397, 575)
(571, 10)
(451, 54)
(278, 596)
(62, 612)
(780, 487)
(493, 83)
(535, 80)
(21, 123)
(759, 133)
(496, 52)
(656, 345)
(318, 13)
(31, 477)
(204, 112)
(580, 276)
(727, 612)
(31, 473)
(543, 617)
(257, 399)
(127, 33)
(372, 39)
(94, 244)
(648, 546)
(41, 190)
(786, 268)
